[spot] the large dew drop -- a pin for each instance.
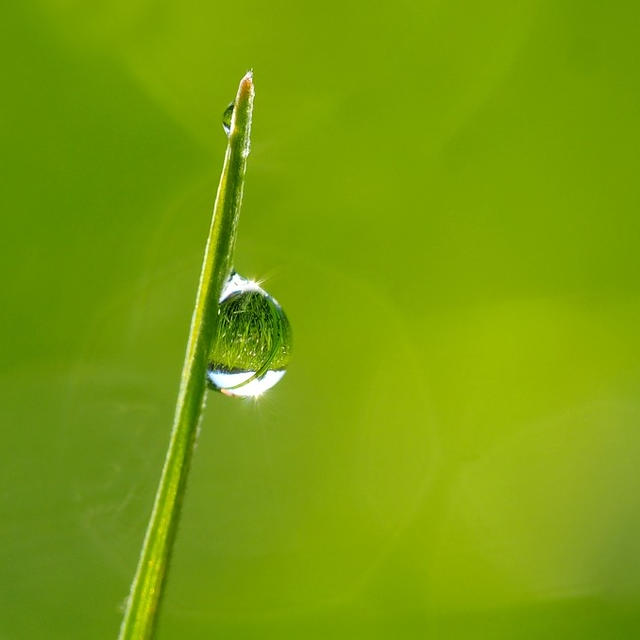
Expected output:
(252, 347)
(226, 118)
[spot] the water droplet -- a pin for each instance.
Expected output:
(226, 118)
(253, 344)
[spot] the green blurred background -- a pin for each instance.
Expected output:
(444, 198)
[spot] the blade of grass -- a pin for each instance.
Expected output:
(149, 580)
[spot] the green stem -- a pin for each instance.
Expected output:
(149, 580)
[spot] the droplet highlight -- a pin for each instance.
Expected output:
(252, 347)
(226, 118)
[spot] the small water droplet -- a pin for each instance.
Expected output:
(253, 344)
(226, 118)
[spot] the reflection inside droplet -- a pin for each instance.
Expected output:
(244, 385)
(252, 347)
(226, 118)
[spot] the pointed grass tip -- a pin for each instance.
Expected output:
(246, 84)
